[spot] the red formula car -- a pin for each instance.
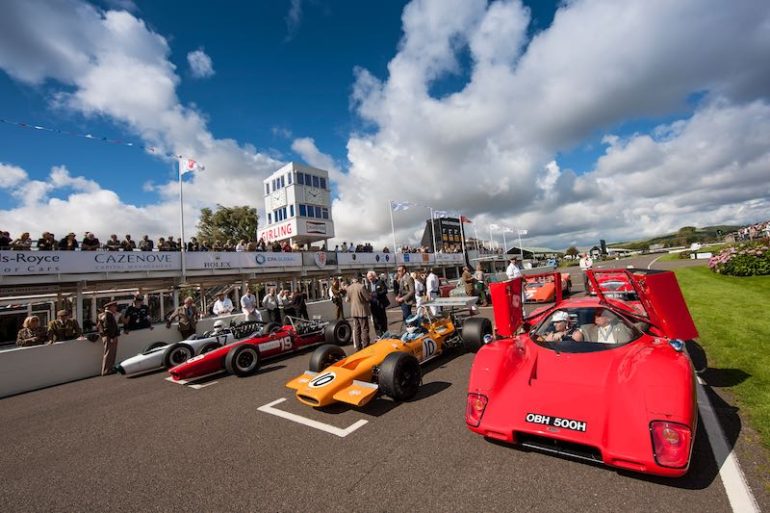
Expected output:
(594, 378)
(243, 357)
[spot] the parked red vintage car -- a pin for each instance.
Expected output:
(596, 378)
(243, 357)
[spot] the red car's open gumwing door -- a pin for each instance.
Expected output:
(509, 313)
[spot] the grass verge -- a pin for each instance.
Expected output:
(732, 316)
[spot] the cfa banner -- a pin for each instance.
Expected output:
(18, 263)
(241, 260)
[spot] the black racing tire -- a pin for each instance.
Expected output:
(475, 331)
(338, 332)
(272, 327)
(177, 354)
(400, 376)
(210, 347)
(153, 346)
(242, 360)
(324, 356)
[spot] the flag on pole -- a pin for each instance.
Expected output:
(397, 206)
(440, 214)
(522, 232)
(494, 227)
(188, 166)
(464, 219)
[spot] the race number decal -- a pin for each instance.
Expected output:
(547, 420)
(285, 343)
(428, 348)
(322, 380)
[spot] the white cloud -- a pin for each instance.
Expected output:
(11, 176)
(111, 64)
(293, 19)
(307, 150)
(491, 148)
(200, 64)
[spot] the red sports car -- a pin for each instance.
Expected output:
(595, 378)
(613, 283)
(243, 357)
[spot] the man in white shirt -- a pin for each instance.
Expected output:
(513, 271)
(432, 290)
(223, 305)
(270, 303)
(249, 306)
(585, 264)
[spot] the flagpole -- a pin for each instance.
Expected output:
(521, 248)
(433, 230)
(505, 244)
(476, 235)
(491, 240)
(392, 230)
(181, 225)
(462, 236)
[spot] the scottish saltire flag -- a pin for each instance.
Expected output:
(397, 206)
(188, 166)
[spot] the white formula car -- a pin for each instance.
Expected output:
(160, 355)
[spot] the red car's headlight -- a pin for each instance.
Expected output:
(671, 443)
(474, 409)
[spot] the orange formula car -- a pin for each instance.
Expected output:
(541, 288)
(391, 365)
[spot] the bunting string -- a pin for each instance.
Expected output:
(141, 146)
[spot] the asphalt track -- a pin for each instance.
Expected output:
(145, 444)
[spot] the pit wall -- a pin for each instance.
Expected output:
(25, 369)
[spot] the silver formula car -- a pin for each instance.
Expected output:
(160, 355)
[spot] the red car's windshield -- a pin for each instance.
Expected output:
(587, 329)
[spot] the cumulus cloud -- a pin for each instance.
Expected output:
(200, 64)
(491, 148)
(92, 55)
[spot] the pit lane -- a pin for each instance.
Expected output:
(144, 444)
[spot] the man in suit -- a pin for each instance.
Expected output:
(360, 298)
(188, 316)
(607, 329)
(379, 303)
(107, 326)
(406, 294)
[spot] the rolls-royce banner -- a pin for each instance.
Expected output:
(242, 260)
(15, 263)
(451, 258)
(365, 258)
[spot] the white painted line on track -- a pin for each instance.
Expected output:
(649, 266)
(268, 408)
(186, 381)
(738, 491)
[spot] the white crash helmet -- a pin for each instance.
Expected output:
(560, 316)
(218, 325)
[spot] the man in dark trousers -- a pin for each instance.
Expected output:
(405, 296)
(360, 309)
(379, 302)
(109, 331)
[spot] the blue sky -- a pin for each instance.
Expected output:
(578, 120)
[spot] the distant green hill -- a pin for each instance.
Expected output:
(684, 237)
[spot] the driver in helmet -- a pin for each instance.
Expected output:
(563, 329)
(219, 327)
(415, 326)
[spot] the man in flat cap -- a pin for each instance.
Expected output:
(187, 316)
(63, 328)
(107, 326)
